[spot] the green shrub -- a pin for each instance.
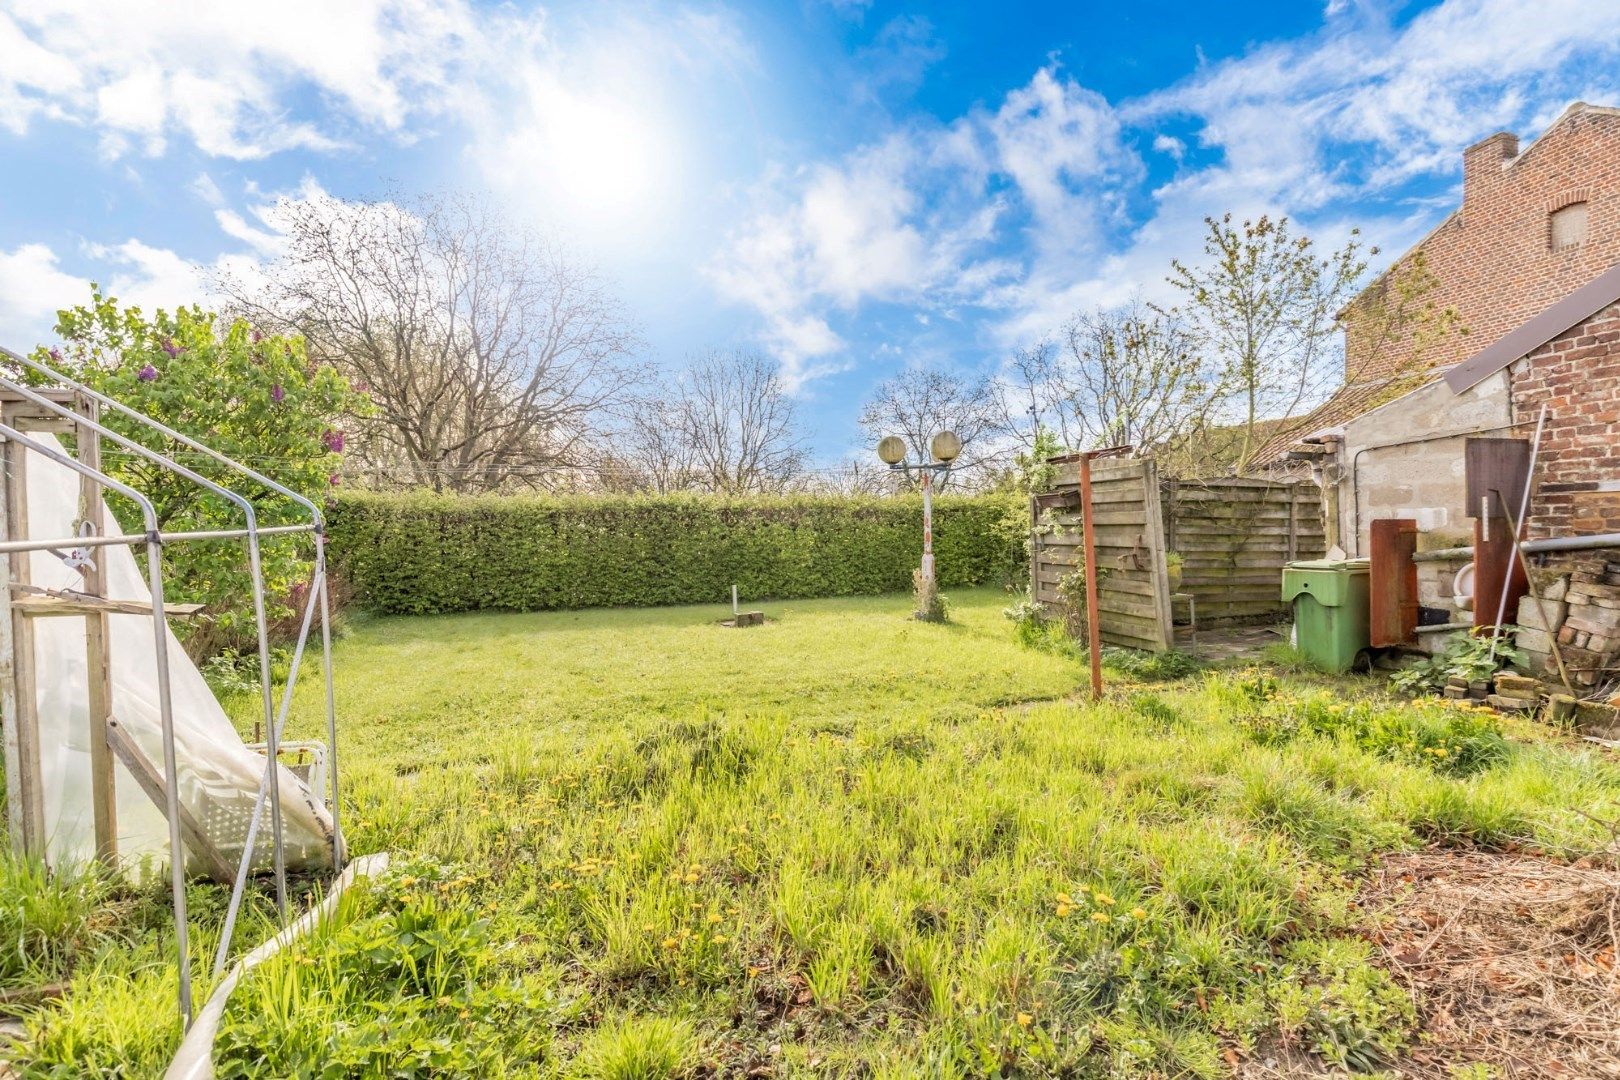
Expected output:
(424, 553)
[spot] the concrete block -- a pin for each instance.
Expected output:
(1510, 704)
(1532, 640)
(1542, 614)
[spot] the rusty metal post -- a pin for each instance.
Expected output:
(1093, 628)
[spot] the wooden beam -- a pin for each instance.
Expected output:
(151, 782)
(19, 697)
(33, 601)
(103, 783)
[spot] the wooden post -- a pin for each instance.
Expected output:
(1093, 615)
(150, 780)
(19, 696)
(103, 789)
(1035, 550)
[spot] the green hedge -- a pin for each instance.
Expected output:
(421, 553)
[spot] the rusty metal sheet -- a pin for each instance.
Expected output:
(1392, 581)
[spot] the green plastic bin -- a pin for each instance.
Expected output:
(1330, 610)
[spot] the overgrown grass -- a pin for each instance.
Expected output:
(848, 843)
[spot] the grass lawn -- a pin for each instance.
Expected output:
(635, 844)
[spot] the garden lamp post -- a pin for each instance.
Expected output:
(945, 448)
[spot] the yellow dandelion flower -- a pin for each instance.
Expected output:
(1104, 899)
(1064, 898)
(715, 916)
(671, 943)
(720, 939)
(1101, 916)
(1024, 1020)
(1138, 913)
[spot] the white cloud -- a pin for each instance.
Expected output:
(919, 217)
(1035, 209)
(223, 74)
(32, 289)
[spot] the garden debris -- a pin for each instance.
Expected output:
(1583, 622)
(1510, 956)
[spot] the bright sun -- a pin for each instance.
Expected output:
(595, 158)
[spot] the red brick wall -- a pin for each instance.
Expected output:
(1493, 257)
(1578, 376)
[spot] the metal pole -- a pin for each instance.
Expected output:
(928, 525)
(1093, 630)
(11, 547)
(338, 846)
(1518, 523)
(269, 782)
(160, 650)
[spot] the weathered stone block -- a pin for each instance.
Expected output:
(1531, 640)
(1593, 620)
(1511, 704)
(1542, 614)
(1518, 686)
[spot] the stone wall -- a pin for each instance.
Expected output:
(1494, 256)
(1575, 604)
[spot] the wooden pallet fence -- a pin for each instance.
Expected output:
(1234, 535)
(1133, 594)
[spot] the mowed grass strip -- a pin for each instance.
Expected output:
(851, 844)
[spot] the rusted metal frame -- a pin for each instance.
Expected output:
(1518, 523)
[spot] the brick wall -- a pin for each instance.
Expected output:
(1493, 256)
(1577, 375)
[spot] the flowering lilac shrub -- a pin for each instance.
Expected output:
(253, 396)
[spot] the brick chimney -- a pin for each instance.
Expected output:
(1482, 163)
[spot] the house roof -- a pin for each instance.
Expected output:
(1347, 403)
(1571, 310)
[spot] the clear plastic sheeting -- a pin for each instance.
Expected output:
(219, 776)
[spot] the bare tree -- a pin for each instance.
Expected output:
(1129, 376)
(727, 424)
(919, 403)
(487, 351)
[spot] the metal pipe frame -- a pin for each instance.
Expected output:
(9, 546)
(317, 520)
(160, 650)
(154, 539)
(256, 569)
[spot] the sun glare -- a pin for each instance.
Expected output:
(597, 157)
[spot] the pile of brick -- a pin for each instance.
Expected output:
(1576, 605)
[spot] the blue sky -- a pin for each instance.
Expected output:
(851, 187)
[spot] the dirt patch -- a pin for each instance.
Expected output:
(1510, 958)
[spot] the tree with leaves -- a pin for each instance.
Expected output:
(255, 397)
(1265, 306)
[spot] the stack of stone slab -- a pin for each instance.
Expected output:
(1576, 604)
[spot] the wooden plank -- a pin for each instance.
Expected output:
(150, 780)
(35, 602)
(21, 696)
(1158, 570)
(103, 783)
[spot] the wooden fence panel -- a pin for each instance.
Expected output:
(1133, 594)
(1235, 534)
